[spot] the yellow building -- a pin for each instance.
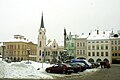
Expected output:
(20, 48)
(115, 48)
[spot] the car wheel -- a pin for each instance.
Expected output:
(63, 72)
(48, 71)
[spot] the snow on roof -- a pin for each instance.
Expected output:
(16, 40)
(83, 36)
(97, 34)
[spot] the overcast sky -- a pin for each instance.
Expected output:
(77, 16)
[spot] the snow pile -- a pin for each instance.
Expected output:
(21, 70)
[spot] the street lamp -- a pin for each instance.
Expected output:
(28, 50)
(3, 52)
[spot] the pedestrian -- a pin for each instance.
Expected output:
(104, 64)
(101, 64)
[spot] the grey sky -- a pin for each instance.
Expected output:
(78, 16)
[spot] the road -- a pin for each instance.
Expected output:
(103, 74)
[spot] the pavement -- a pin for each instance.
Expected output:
(112, 73)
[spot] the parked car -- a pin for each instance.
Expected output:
(87, 64)
(60, 68)
(76, 68)
(95, 64)
(83, 66)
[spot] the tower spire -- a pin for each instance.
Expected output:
(42, 22)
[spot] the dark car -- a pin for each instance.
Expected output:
(60, 68)
(95, 64)
(83, 66)
(76, 68)
(87, 64)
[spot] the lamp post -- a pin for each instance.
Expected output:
(28, 50)
(3, 52)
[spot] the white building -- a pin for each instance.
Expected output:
(98, 46)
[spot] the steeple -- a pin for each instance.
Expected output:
(42, 22)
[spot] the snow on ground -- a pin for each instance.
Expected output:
(24, 70)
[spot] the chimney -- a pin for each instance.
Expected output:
(104, 32)
(89, 33)
(97, 32)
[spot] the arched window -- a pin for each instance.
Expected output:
(106, 60)
(98, 60)
(90, 60)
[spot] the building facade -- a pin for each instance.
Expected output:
(47, 51)
(115, 48)
(81, 47)
(17, 49)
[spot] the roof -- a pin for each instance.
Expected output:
(97, 35)
(17, 40)
(83, 36)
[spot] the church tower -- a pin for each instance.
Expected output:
(41, 41)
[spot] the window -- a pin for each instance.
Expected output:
(48, 53)
(119, 42)
(77, 51)
(40, 45)
(77, 44)
(101, 41)
(80, 44)
(112, 48)
(89, 47)
(18, 46)
(101, 47)
(118, 47)
(83, 44)
(115, 42)
(97, 41)
(40, 53)
(112, 42)
(97, 47)
(106, 53)
(93, 47)
(80, 52)
(93, 53)
(115, 54)
(102, 53)
(83, 52)
(115, 47)
(106, 47)
(89, 42)
(89, 54)
(97, 53)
